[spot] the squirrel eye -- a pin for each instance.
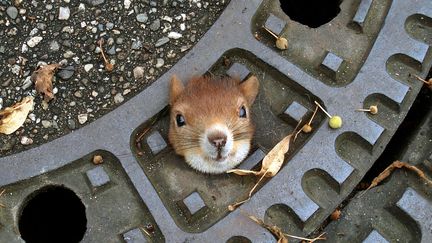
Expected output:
(180, 120)
(242, 112)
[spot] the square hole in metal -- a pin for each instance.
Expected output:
(194, 202)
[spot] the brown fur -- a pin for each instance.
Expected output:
(206, 101)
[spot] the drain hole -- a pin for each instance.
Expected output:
(53, 214)
(312, 13)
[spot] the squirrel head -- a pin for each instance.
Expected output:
(210, 121)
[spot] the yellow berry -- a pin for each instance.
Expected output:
(335, 122)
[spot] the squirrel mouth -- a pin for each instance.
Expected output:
(219, 156)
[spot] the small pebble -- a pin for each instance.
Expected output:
(88, 67)
(71, 124)
(81, 7)
(138, 72)
(174, 35)
(78, 94)
(159, 63)
(136, 45)
(46, 124)
(118, 98)
(34, 41)
(66, 73)
(64, 13)
(82, 118)
(142, 18)
(26, 140)
(127, 4)
(109, 26)
(54, 46)
(95, 2)
(12, 12)
(162, 41)
(155, 25)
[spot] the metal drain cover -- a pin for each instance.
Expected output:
(363, 56)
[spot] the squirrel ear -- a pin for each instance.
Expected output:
(175, 89)
(250, 88)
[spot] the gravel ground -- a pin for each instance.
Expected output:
(143, 39)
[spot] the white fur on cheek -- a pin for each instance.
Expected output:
(208, 165)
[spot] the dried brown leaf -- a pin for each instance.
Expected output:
(270, 166)
(12, 118)
(42, 78)
(335, 215)
(397, 165)
(272, 162)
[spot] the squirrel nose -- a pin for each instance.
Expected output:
(217, 139)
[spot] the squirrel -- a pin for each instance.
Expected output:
(210, 121)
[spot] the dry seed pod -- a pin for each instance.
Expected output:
(109, 66)
(307, 128)
(281, 43)
(97, 159)
(373, 109)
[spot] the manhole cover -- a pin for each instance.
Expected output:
(366, 55)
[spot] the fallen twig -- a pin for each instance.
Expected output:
(396, 165)
(108, 65)
(307, 128)
(145, 231)
(427, 83)
(233, 206)
(275, 230)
